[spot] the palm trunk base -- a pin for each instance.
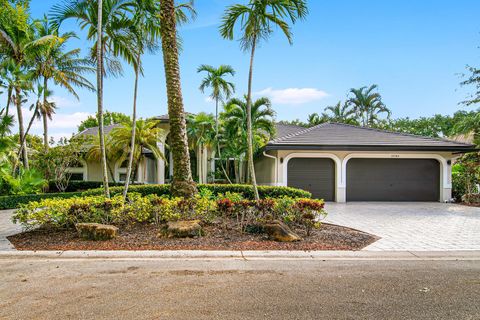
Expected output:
(186, 189)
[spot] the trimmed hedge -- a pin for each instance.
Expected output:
(245, 190)
(74, 186)
(14, 201)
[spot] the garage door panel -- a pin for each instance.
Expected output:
(316, 175)
(393, 180)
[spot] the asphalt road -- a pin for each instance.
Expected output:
(237, 289)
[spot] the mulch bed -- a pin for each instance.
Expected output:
(146, 237)
(469, 204)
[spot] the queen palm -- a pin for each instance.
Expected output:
(147, 137)
(19, 40)
(256, 20)
(262, 121)
(368, 105)
(65, 68)
(221, 90)
(107, 26)
(340, 112)
(182, 184)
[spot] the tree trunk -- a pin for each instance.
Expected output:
(134, 130)
(251, 167)
(44, 115)
(9, 99)
(21, 129)
(182, 184)
(101, 132)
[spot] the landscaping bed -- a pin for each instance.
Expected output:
(146, 237)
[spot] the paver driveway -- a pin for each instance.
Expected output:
(411, 226)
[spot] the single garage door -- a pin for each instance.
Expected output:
(393, 180)
(316, 175)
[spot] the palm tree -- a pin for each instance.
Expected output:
(19, 40)
(65, 68)
(221, 90)
(147, 137)
(368, 105)
(341, 113)
(201, 133)
(262, 123)
(256, 20)
(182, 184)
(108, 26)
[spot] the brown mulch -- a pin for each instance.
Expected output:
(146, 237)
(470, 204)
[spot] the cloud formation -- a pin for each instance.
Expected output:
(293, 95)
(62, 102)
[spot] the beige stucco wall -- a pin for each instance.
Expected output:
(94, 170)
(266, 173)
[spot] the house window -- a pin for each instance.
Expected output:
(78, 171)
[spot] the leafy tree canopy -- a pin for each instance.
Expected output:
(109, 118)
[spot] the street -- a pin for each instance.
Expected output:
(61, 288)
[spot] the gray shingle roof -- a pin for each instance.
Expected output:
(94, 130)
(338, 136)
(286, 129)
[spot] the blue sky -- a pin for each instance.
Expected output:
(414, 50)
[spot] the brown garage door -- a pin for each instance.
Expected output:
(316, 175)
(393, 180)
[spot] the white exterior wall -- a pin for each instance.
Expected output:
(341, 159)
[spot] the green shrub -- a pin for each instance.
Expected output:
(14, 201)
(74, 186)
(214, 189)
(471, 198)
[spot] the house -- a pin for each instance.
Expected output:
(340, 162)
(336, 162)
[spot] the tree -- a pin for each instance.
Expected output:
(341, 113)
(368, 105)
(64, 67)
(109, 118)
(474, 80)
(221, 90)
(235, 121)
(182, 184)
(108, 26)
(256, 20)
(147, 136)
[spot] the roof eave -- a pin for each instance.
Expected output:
(370, 148)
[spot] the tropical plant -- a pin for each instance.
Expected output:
(182, 183)
(256, 20)
(64, 67)
(368, 105)
(108, 27)
(341, 113)
(109, 118)
(147, 136)
(235, 121)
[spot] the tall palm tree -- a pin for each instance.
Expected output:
(65, 68)
(108, 27)
(221, 90)
(256, 20)
(147, 137)
(340, 112)
(19, 40)
(182, 184)
(368, 105)
(262, 123)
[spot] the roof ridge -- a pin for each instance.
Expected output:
(401, 133)
(294, 134)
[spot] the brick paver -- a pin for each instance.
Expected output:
(411, 226)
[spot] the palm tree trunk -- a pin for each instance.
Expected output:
(134, 130)
(44, 115)
(101, 132)
(9, 99)
(182, 184)
(251, 166)
(23, 140)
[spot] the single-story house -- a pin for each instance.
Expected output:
(336, 162)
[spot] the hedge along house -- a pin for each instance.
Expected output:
(150, 170)
(340, 162)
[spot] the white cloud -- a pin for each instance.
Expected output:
(60, 120)
(208, 99)
(63, 102)
(293, 95)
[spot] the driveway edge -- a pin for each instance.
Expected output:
(244, 255)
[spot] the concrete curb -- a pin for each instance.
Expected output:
(243, 255)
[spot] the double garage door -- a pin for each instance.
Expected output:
(369, 179)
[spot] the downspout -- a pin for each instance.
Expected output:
(276, 171)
